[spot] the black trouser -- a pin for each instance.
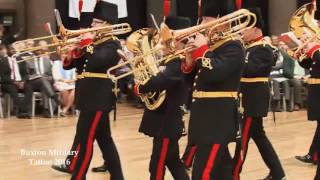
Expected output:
(165, 152)
(23, 107)
(316, 141)
(313, 150)
(212, 162)
(45, 87)
(253, 128)
(188, 155)
(94, 125)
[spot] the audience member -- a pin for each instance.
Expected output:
(12, 83)
(38, 74)
(65, 84)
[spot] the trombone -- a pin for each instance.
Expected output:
(67, 37)
(237, 22)
(29, 58)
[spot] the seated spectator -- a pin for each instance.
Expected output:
(12, 83)
(295, 74)
(38, 74)
(278, 80)
(65, 84)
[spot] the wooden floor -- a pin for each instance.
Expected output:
(19, 138)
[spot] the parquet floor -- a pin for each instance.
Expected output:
(291, 136)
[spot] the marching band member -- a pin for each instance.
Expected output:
(255, 100)
(312, 156)
(165, 123)
(95, 96)
(214, 113)
(312, 63)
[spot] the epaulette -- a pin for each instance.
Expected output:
(172, 57)
(223, 41)
(104, 39)
(262, 42)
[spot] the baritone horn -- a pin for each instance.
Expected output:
(144, 66)
(304, 27)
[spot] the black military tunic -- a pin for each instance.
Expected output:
(166, 121)
(214, 120)
(94, 93)
(255, 91)
(95, 98)
(313, 88)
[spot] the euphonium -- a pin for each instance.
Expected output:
(143, 66)
(305, 28)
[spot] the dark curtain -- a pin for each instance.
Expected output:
(188, 8)
(137, 13)
(264, 6)
(302, 2)
(63, 7)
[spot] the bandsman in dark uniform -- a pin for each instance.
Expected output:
(165, 123)
(255, 100)
(312, 63)
(312, 156)
(216, 68)
(95, 95)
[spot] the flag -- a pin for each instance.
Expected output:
(76, 7)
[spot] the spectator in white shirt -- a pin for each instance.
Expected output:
(65, 84)
(12, 83)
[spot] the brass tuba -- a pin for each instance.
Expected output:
(303, 23)
(141, 43)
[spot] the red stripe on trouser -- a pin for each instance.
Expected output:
(162, 159)
(190, 156)
(210, 163)
(245, 136)
(315, 156)
(89, 145)
(74, 160)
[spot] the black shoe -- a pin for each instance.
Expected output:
(46, 114)
(102, 168)
(269, 177)
(61, 168)
(24, 116)
(306, 159)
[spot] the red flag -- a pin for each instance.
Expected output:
(166, 7)
(199, 8)
(239, 4)
(80, 6)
